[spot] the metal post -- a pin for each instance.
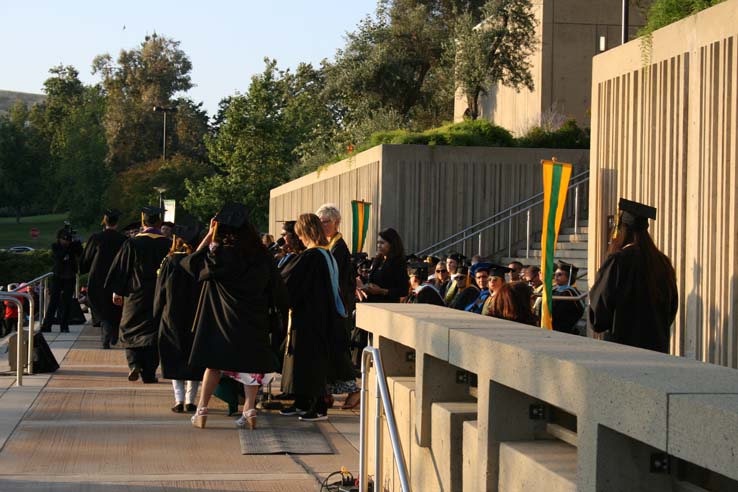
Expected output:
(383, 398)
(45, 288)
(18, 338)
(463, 245)
(509, 235)
(624, 27)
(164, 143)
(31, 322)
(480, 244)
(378, 436)
(576, 210)
(527, 234)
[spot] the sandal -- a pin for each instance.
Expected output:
(352, 401)
(247, 419)
(200, 417)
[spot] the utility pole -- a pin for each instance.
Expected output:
(165, 110)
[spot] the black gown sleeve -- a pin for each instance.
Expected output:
(160, 296)
(603, 296)
(88, 255)
(120, 272)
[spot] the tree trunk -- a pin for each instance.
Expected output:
(472, 102)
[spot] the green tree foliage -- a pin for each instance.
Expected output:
(20, 157)
(661, 13)
(253, 148)
(147, 76)
(496, 51)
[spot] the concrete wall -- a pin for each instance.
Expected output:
(427, 193)
(628, 406)
(665, 134)
(568, 35)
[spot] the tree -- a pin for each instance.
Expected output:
(150, 75)
(19, 161)
(253, 149)
(496, 51)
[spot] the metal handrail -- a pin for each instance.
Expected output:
(506, 215)
(382, 399)
(31, 321)
(19, 340)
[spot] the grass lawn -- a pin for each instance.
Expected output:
(12, 234)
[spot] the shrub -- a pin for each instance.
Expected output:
(22, 267)
(466, 133)
(569, 136)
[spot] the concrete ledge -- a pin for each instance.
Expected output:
(537, 465)
(703, 429)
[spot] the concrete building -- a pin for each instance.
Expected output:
(664, 133)
(569, 34)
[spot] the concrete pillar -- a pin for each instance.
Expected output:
(437, 384)
(503, 416)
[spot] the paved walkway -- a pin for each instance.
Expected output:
(87, 428)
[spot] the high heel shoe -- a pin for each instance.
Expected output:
(200, 417)
(352, 401)
(247, 419)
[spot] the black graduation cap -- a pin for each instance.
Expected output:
(636, 214)
(458, 257)
(112, 213)
(432, 259)
(412, 258)
(132, 226)
(462, 270)
(187, 228)
(499, 271)
(418, 270)
(151, 212)
(232, 215)
(570, 269)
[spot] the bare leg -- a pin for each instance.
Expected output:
(250, 393)
(210, 380)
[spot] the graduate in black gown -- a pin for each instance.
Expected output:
(98, 256)
(133, 276)
(421, 290)
(177, 294)
(239, 281)
(317, 313)
(330, 219)
(634, 298)
(388, 276)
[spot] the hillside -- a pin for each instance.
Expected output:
(8, 98)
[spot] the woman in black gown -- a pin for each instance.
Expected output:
(388, 280)
(311, 359)
(232, 328)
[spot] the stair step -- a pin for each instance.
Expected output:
(573, 254)
(570, 230)
(565, 238)
(447, 440)
(537, 465)
(562, 245)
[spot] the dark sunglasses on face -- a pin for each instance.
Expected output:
(441, 271)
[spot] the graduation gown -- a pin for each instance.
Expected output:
(96, 260)
(465, 297)
(133, 275)
(232, 324)
(566, 314)
(389, 274)
(175, 303)
(347, 289)
(425, 294)
(310, 360)
(621, 305)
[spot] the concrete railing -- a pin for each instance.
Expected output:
(549, 411)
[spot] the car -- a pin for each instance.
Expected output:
(20, 249)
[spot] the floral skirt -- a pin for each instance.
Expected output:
(251, 379)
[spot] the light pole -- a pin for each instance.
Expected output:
(165, 110)
(161, 190)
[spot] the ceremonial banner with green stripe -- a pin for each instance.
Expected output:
(555, 183)
(360, 211)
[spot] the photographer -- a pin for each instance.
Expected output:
(65, 252)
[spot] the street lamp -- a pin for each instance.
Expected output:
(165, 110)
(161, 190)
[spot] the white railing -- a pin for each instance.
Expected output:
(382, 400)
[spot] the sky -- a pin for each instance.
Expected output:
(225, 40)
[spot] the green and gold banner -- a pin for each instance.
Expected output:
(555, 183)
(360, 211)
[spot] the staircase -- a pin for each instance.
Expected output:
(570, 247)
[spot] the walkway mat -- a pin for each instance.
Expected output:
(276, 434)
